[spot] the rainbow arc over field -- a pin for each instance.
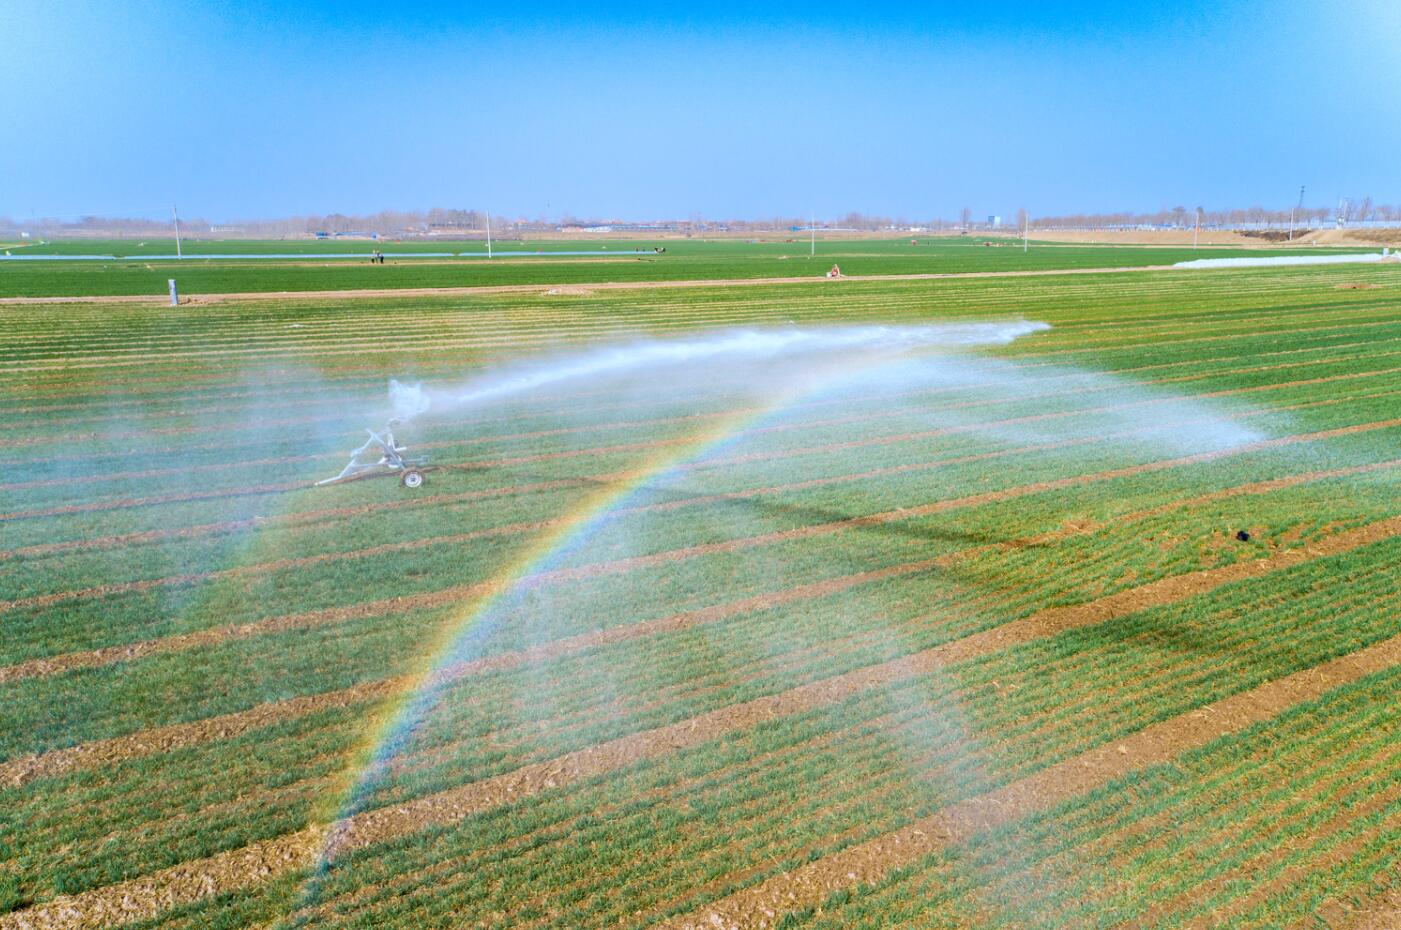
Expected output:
(397, 721)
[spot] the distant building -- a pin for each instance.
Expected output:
(994, 220)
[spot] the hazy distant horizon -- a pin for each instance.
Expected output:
(239, 112)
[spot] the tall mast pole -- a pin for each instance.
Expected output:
(488, 234)
(812, 235)
(175, 212)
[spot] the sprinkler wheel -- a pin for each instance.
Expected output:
(412, 479)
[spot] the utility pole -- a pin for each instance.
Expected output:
(812, 235)
(1026, 227)
(1292, 210)
(1197, 228)
(488, 235)
(175, 212)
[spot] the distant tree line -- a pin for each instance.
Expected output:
(1348, 210)
(443, 221)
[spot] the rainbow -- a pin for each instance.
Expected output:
(397, 720)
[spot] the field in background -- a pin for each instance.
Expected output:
(986, 655)
(683, 260)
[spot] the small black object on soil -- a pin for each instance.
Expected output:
(1242, 535)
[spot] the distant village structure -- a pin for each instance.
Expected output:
(1348, 213)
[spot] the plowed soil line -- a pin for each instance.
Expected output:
(147, 896)
(763, 905)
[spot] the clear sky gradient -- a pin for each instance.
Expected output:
(249, 109)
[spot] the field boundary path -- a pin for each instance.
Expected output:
(240, 868)
(562, 290)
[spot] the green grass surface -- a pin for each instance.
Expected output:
(130, 273)
(158, 484)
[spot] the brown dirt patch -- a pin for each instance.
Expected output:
(1382, 912)
(1356, 287)
(190, 881)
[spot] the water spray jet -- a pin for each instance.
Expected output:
(773, 362)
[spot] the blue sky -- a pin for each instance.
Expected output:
(665, 110)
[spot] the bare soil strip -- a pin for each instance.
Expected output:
(545, 289)
(1382, 912)
(868, 863)
(176, 736)
(148, 896)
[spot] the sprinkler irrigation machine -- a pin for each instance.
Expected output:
(381, 455)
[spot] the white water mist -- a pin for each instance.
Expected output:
(782, 352)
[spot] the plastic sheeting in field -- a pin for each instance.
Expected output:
(1265, 261)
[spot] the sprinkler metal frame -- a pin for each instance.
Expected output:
(390, 461)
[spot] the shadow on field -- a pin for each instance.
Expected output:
(905, 528)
